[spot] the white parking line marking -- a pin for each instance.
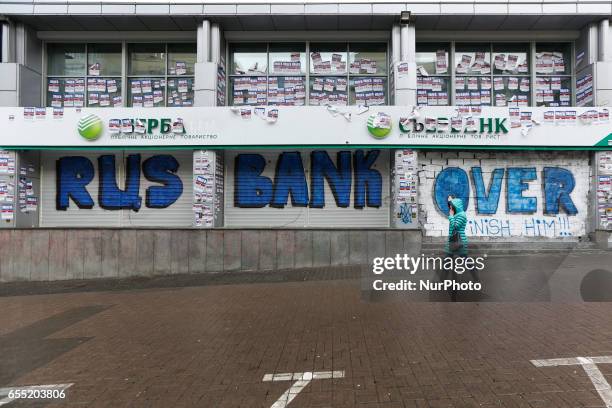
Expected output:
(589, 364)
(301, 381)
(4, 392)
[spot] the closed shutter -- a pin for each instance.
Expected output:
(259, 217)
(330, 216)
(73, 216)
(178, 214)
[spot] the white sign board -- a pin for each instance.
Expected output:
(307, 126)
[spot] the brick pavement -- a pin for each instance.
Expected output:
(210, 346)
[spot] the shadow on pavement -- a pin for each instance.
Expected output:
(28, 348)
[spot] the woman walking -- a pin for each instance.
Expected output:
(457, 240)
(457, 244)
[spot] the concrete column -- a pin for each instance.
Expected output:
(395, 57)
(8, 67)
(21, 67)
(405, 32)
(405, 91)
(404, 209)
(600, 232)
(215, 43)
(395, 44)
(208, 168)
(603, 66)
(30, 160)
(7, 178)
(8, 42)
(205, 87)
(604, 46)
(203, 42)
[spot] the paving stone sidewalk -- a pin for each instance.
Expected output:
(212, 345)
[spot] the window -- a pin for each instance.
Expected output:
(433, 75)
(160, 74)
(368, 74)
(473, 74)
(553, 74)
(93, 75)
(67, 70)
(287, 70)
(181, 59)
(104, 75)
(66, 59)
(328, 83)
(147, 70)
(81, 75)
(495, 74)
(511, 80)
(248, 81)
(315, 73)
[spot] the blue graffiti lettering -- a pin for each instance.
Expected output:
(516, 184)
(73, 174)
(367, 179)
(547, 227)
(493, 227)
(558, 184)
(161, 169)
(252, 190)
(339, 178)
(487, 202)
(290, 179)
(110, 197)
(451, 181)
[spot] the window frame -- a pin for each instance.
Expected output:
(532, 44)
(230, 75)
(447, 77)
(125, 75)
(571, 76)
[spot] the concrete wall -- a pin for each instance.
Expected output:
(603, 83)
(21, 76)
(498, 218)
(9, 82)
(56, 254)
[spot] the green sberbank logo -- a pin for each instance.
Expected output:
(90, 127)
(379, 125)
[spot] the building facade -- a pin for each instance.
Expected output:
(186, 137)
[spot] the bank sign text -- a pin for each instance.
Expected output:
(351, 173)
(75, 173)
(454, 125)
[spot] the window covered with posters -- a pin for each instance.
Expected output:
(514, 74)
(80, 75)
(97, 74)
(307, 188)
(433, 74)
(308, 73)
(161, 74)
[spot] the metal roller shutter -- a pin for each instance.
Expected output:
(178, 214)
(331, 216)
(73, 216)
